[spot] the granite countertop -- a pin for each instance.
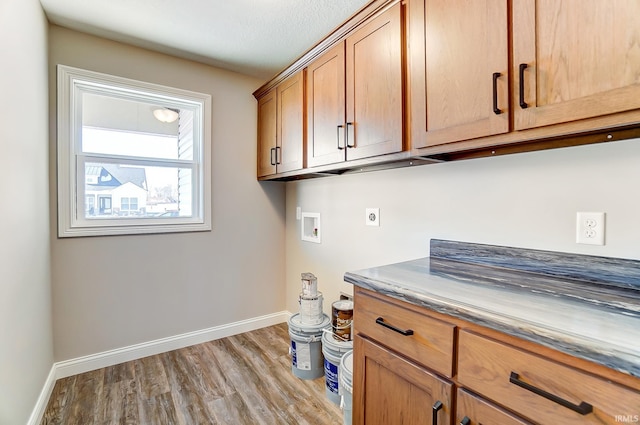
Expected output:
(585, 306)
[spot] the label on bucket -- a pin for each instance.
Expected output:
(342, 316)
(331, 376)
(301, 355)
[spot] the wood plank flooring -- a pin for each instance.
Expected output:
(243, 379)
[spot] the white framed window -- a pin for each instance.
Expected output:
(133, 157)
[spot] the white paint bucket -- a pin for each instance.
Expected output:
(333, 350)
(309, 285)
(311, 309)
(346, 386)
(306, 347)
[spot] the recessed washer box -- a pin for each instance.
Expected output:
(310, 231)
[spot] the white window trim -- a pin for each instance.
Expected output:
(70, 224)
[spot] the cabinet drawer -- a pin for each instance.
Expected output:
(430, 342)
(478, 411)
(554, 393)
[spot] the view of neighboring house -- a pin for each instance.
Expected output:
(113, 189)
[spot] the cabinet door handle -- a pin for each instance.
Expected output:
(435, 409)
(407, 332)
(278, 155)
(523, 104)
(583, 408)
(465, 421)
(272, 151)
(350, 124)
(496, 110)
(340, 127)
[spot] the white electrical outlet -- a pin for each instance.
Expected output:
(372, 216)
(590, 228)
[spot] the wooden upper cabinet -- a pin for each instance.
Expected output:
(281, 127)
(355, 94)
(582, 60)
(459, 68)
(374, 87)
(290, 124)
(326, 108)
(267, 134)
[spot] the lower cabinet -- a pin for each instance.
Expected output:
(494, 380)
(393, 390)
(539, 388)
(473, 410)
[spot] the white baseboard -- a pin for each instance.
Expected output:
(91, 362)
(43, 398)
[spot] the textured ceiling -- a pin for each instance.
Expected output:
(253, 37)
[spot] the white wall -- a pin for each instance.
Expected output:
(525, 200)
(26, 348)
(113, 292)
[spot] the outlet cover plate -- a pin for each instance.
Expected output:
(372, 216)
(590, 228)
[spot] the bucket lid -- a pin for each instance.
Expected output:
(343, 305)
(335, 344)
(296, 323)
(347, 363)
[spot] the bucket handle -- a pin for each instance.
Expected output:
(330, 331)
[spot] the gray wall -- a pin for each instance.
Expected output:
(112, 292)
(525, 200)
(26, 348)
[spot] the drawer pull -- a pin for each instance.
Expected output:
(583, 408)
(404, 332)
(436, 408)
(465, 421)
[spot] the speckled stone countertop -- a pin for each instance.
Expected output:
(585, 306)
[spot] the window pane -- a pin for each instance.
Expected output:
(113, 142)
(117, 126)
(120, 190)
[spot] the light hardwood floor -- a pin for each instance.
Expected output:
(243, 379)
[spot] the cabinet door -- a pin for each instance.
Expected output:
(374, 87)
(459, 70)
(267, 134)
(391, 390)
(478, 411)
(325, 108)
(582, 60)
(290, 128)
